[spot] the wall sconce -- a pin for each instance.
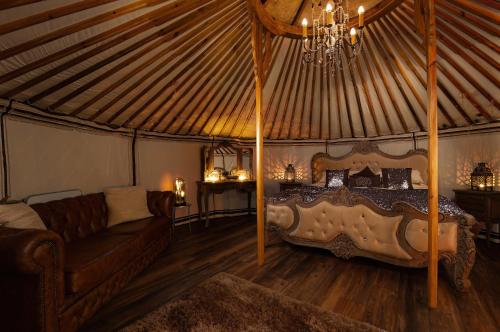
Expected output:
(481, 178)
(290, 173)
(180, 191)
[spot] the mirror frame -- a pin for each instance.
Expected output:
(208, 153)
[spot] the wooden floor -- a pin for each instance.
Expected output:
(386, 296)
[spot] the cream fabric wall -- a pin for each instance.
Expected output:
(46, 158)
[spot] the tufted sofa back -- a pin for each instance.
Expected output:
(76, 217)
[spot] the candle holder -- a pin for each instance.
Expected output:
(290, 173)
(180, 191)
(482, 178)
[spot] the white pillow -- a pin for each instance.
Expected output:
(416, 178)
(20, 215)
(126, 204)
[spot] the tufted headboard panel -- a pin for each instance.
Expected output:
(368, 154)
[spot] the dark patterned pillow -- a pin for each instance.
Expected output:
(365, 178)
(397, 178)
(336, 177)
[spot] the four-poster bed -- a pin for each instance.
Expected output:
(426, 25)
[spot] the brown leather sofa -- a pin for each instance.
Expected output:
(55, 280)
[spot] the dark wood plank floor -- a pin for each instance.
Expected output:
(386, 296)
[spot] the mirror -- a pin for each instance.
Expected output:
(228, 162)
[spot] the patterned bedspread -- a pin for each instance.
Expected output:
(384, 198)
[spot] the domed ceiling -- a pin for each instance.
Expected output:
(184, 67)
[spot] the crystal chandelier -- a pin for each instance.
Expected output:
(330, 39)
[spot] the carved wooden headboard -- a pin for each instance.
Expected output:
(368, 154)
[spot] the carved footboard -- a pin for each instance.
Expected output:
(352, 225)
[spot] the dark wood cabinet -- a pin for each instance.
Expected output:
(483, 205)
(289, 185)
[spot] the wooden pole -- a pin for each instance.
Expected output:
(258, 73)
(432, 129)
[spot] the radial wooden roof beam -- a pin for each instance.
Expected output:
(199, 70)
(50, 15)
(16, 3)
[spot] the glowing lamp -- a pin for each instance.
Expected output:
(304, 28)
(180, 191)
(213, 175)
(482, 178)
(243, 175)
(361, 16)
(353, 36)
(290, 173)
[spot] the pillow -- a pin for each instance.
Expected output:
(20, 215)
(365, 178)
(397, 178)
(336, 177)
(416, 177)
(126, 204)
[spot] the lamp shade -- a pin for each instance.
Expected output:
(290, 173)
(482, 178)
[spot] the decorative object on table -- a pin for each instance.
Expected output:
(285, 185)
(214, 175)
(180, 191)
(337, 178)
(331, 41)
(290, 173)
(243, 175)
(483, 205)
(242, 306)
(482, 178)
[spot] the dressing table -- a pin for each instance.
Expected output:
(227, 160)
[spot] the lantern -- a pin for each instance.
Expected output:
(290, 173)
(180, 191)
(482, 178)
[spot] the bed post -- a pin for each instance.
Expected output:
(432, 129)
(258, 73)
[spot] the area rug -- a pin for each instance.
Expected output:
(228, 303)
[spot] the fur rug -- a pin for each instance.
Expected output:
(228, 303)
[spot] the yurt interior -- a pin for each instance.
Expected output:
(249, 165)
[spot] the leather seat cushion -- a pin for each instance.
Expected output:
(91, 260)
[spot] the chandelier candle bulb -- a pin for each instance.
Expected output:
(353, 36)
(304, 28)
(329, 14)
(361, 15)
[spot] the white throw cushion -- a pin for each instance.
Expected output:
(416, 177)
(20, 215)
(126, 204)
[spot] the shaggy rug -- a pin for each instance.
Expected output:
(228, 303)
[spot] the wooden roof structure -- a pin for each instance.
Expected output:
(185, 68)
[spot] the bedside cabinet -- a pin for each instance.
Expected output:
(289, 185)
(483, 205)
